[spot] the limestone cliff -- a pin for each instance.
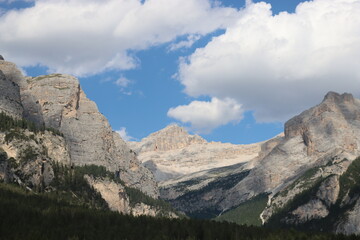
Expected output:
(327, 131)
(57, 101)
(193, 174)
(10, 100)
(31, 156)
(173, 152)
(302, 173)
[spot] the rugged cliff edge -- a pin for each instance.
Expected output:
(194, 175)
(172, 152)
(293, 180)
(84, 136)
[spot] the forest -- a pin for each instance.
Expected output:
(30, 215)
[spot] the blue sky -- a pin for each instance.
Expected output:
(230, 72)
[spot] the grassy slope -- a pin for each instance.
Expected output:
(246, 213)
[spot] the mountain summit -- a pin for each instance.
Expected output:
(297, 180)
(170, 138)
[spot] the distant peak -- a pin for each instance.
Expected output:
(172, 129)
(2, 58)
(173, 126)
(336, 97)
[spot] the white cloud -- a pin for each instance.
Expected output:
(84, 37)
(206, 116)
(124, 134)
(122, 82)
(191, 39)
(279, 65)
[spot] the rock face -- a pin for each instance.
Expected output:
(11, 72)
(299, 172)
(170, 138)
(114, 194)
(172, 152)
(117, 199)
(313, 138)
(352, 223)
(57, 101)
(10, 100)
(193, 174)
(32, 157)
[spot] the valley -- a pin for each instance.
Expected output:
(56, 146)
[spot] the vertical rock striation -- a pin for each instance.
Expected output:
(57, 101)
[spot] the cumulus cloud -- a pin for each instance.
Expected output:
(191, 39)
(84, 37)
(279, 65)
(124, 134)
(205, 116)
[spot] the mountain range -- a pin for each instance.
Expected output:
(52, 137)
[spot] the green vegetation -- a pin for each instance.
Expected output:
(69, 185)
(193, 197)
(26, 215)
(39, 78)
(28, 155)
(246, 213)
(306, 181)
(72, 180)
(300, 199)
(349, 185)
(350, 180)
(13, 126)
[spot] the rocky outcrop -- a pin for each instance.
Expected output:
(117, 199)
(58, 101)
(132, 171)
(172, 152)
(351, 223)
(313, 138)
(170, 138)
(10, 100)
(318, 147)
(12, 72)
(193, 174)
(113, 193)
(31, 157)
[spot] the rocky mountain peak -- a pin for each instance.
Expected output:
(338, 98)
(171, 130)
(57, 101)
(335, 114)
(1, 58)
(170, 138)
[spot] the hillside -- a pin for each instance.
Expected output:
(48, 120)
(310, 160)
(38, 216)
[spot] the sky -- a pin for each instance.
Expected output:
(228, 70)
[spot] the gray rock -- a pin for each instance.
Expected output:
(10, 100)
(350, 224)
(1, 58)
(11, 72)
(57, 101)
(315, 209)
(329, 190)
(316, 136)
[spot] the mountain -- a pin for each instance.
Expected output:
(307, 176)
(48, 120)
(173, 152)
(194, 174)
